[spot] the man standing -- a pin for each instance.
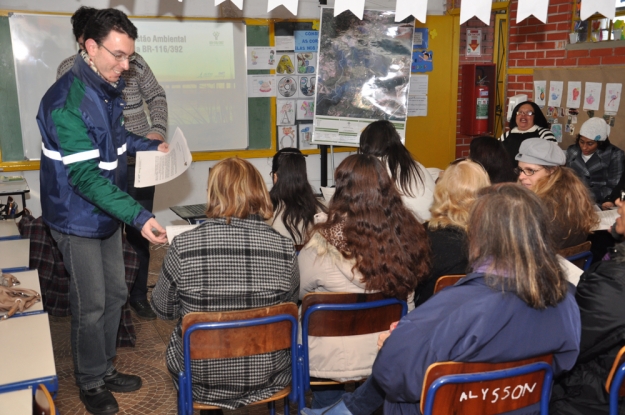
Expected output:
(83, 178)
(141, 86)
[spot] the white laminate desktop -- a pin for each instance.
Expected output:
(14, 253)
(8, 229)
(27, 349)
(17, 402)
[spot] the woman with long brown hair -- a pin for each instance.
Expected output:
(370, 242)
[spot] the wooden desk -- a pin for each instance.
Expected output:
(9, 230)
(14, 253)
(17, 402)
(28, 279)
(27, 348)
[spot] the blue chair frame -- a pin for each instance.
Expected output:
(617, 381)
(586, 254)
(304, 357)
(185, 388)
(494, 375)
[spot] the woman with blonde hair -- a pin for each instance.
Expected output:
(233, 261)
(454, 196)
(568, 201)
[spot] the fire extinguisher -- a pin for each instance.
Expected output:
(481, 112)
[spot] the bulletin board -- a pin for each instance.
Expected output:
(603, 75)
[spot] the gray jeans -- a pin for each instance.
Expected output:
(97, 293)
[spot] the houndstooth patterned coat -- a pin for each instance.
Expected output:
(224, 267)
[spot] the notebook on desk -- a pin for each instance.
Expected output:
(190, 212)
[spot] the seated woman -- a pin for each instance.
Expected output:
(567, 200)
(415, 184)
(515, 305)
(233, 261)
(600, 296)
(491, 154)
(597, 162)
(454, 196)
(294, 203)
(527, 121)
(370, 242)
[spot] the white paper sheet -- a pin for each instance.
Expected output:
(287, 136)
(285, 42)
(261, 86)
(155, 167)
(537, 8)
(291, 5)
(417, 105)
(305, 109)
(573, 94)
(261, 57)
(285, 110)
(540, 93)
(418, 85)
(479, 8)
(592, 95)
(607, 219)
(238, 3)
(304, 132)
(355, 6)
(175, 230)
(555, 93)
(612, 98)
(416, 8)
(604, 7)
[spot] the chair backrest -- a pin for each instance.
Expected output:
(43, 404)
(579, 255)
(347, 314)
(217, 335)
(486, 388)
(446, 281)
(235, 342)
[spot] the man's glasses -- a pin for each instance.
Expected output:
(528, 113)
(527, 172)
(120, 57)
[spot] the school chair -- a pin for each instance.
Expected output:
(43, 404)
(220, 335)
(580, 255)
(487, 388)
(614, 385)
(343, 314)
(447, 281)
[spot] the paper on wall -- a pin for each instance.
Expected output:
(612, 98)
(261, 86)
(417, 105)
(418, 85)
(285, 43)
(261, 57)
(573, 94)
(156, 167)
(555, 93)
(592, 95)
(540, 93)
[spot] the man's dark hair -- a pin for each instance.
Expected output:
(105, 20)
(80, 18)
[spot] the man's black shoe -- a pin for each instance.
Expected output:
(143, 309)
(99, 401)
(119, 382)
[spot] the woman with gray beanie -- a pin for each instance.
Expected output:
(597, 162)
(568, 202)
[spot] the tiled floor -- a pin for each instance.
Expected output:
(147, 359)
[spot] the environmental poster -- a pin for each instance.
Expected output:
(363, 74)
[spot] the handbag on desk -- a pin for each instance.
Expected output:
(13, 298)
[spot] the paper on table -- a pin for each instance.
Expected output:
(156, 167)
(175, 230)
(607, 218)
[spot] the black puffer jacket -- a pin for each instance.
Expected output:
(601, 299)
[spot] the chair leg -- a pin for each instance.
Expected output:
(286, 406)
(272, 407)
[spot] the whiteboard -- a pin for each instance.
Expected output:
(200, 64)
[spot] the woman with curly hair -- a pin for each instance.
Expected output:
(294, 203)
(567, 199)
(368, 242)
(454, 196)
(415, 184)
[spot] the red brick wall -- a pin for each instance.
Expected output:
(533, 44)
